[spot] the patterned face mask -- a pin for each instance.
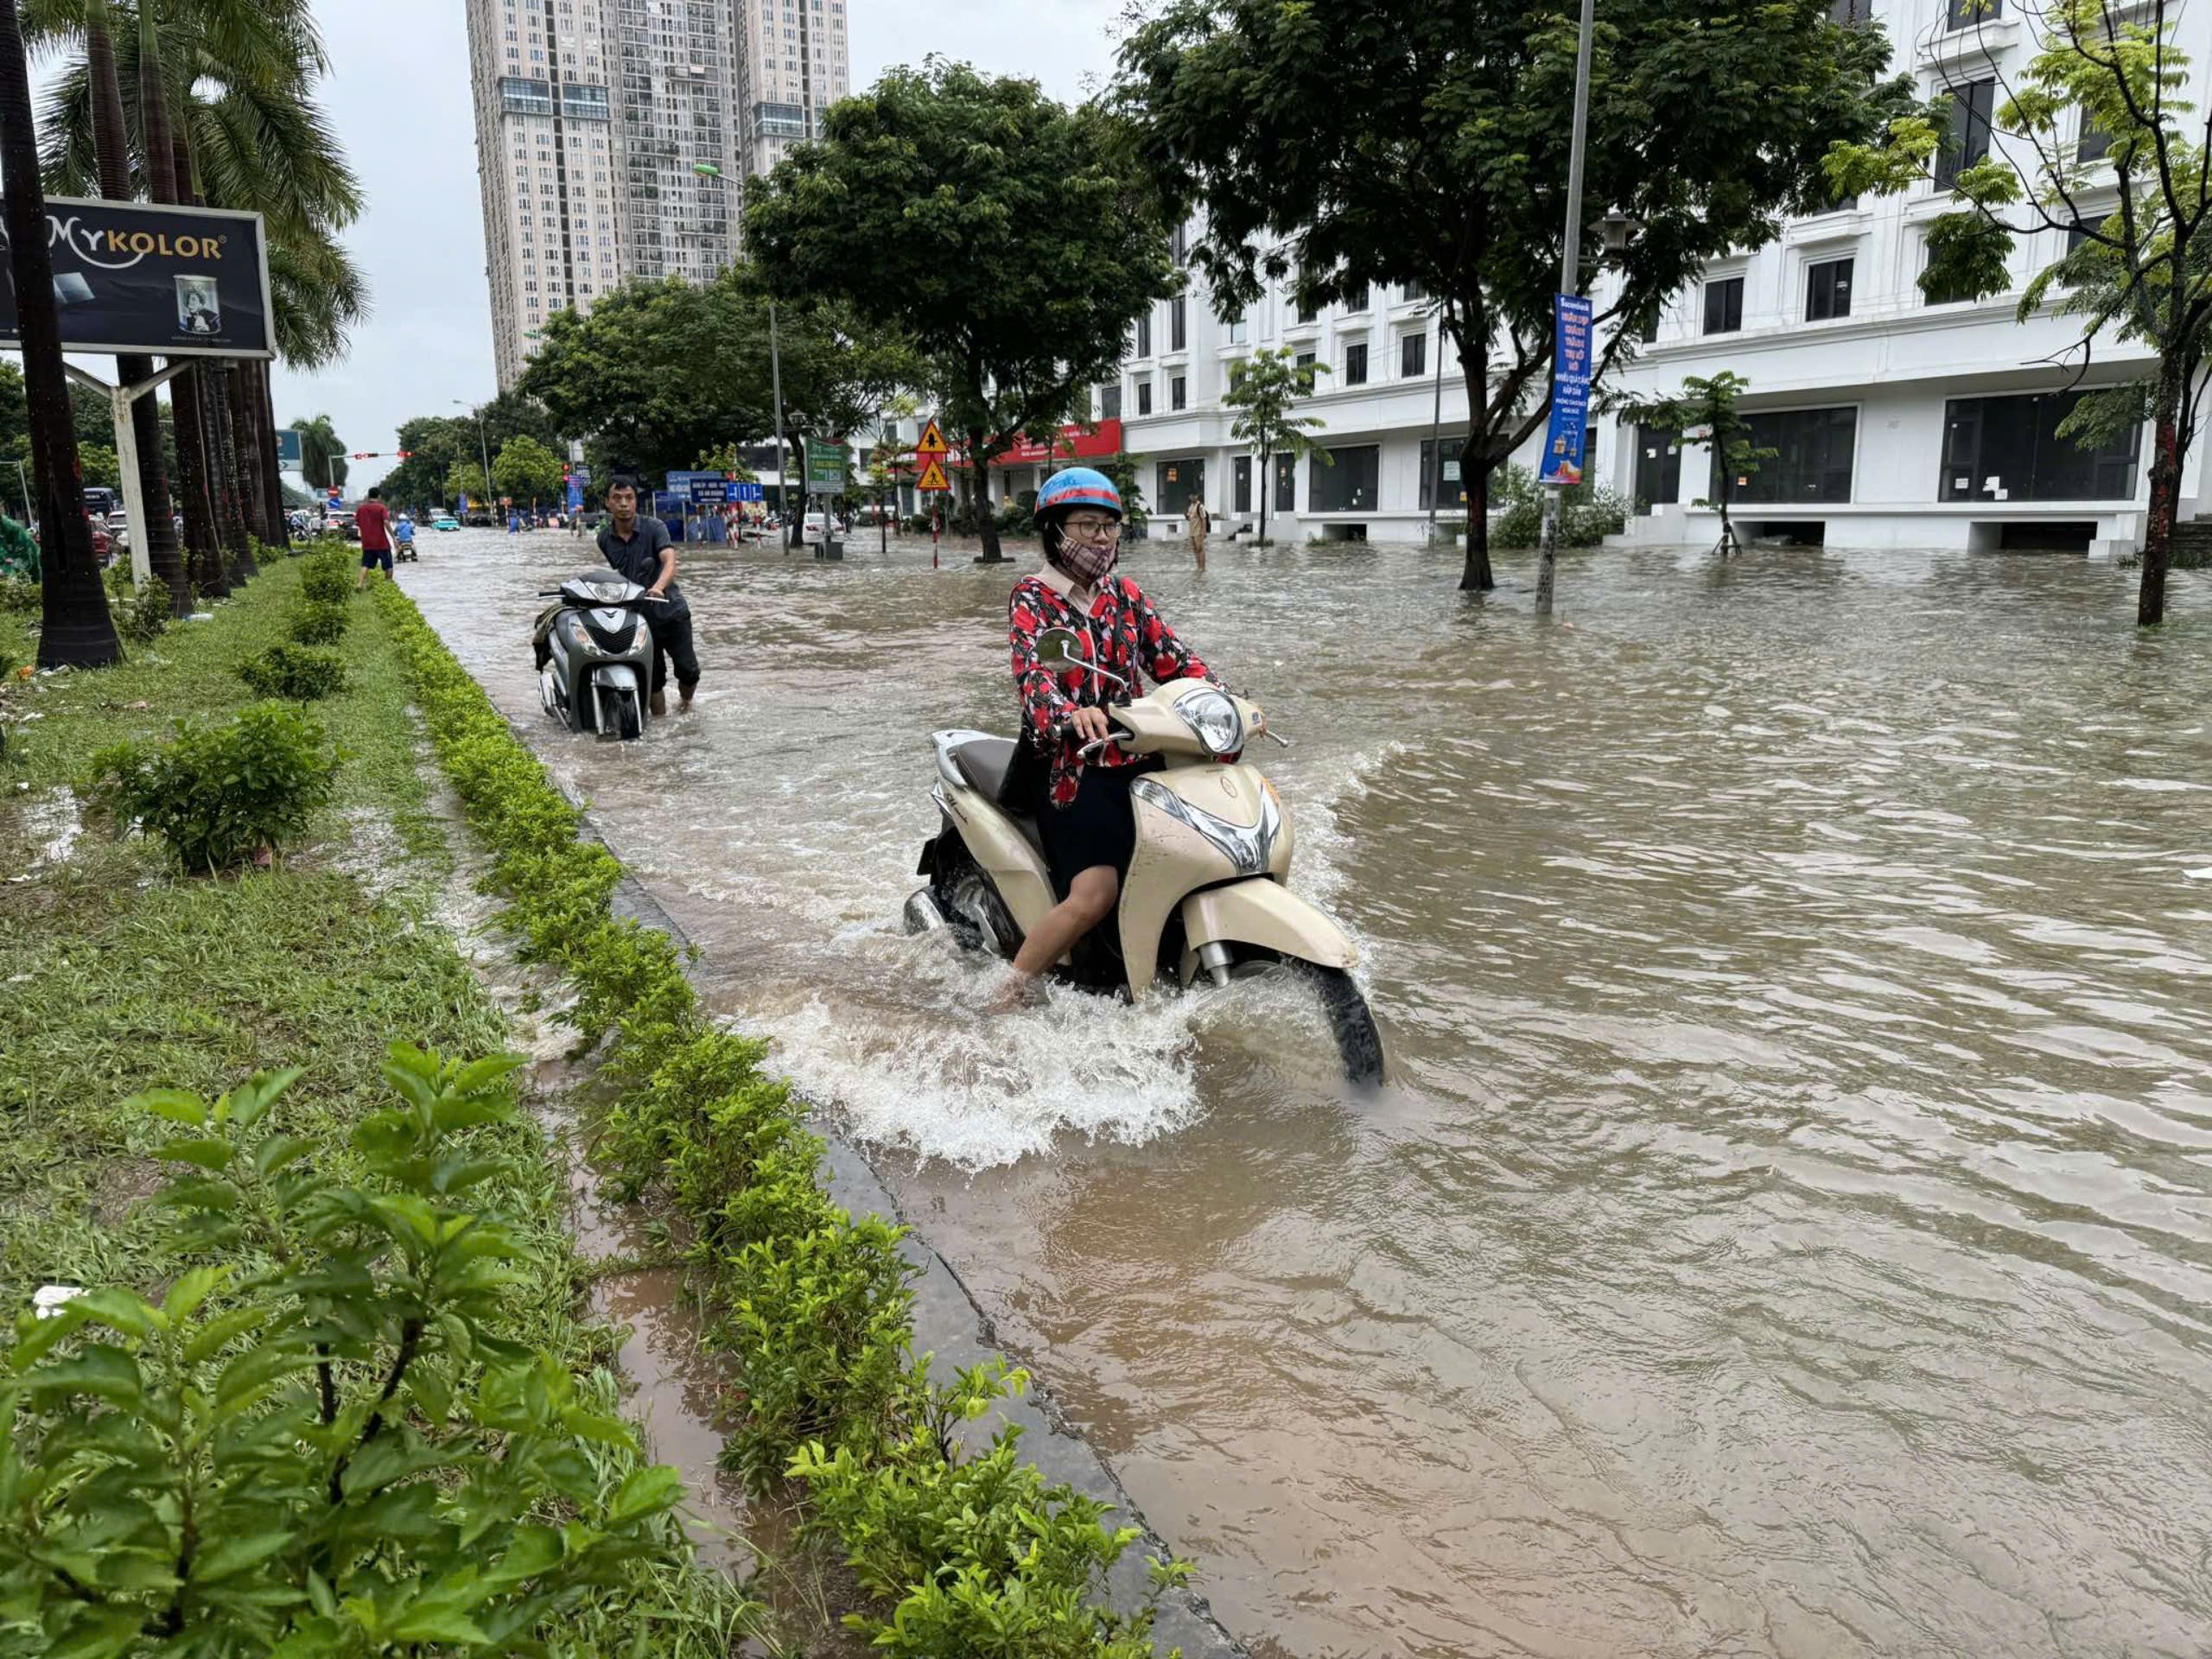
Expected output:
(1089, 562)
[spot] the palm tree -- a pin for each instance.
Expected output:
(243, 136)
(75, 628)
(112, 158)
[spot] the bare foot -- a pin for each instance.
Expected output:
(1021, 991)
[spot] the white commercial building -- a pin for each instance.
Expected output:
(538, 75)
(1392, 383)
(1898, 421)
(593, 118)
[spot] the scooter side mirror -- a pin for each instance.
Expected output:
(1060, 648)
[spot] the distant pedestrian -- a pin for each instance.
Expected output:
(373, 520)
(1201, 523)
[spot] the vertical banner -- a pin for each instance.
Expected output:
(575, 493)
(1562, 462)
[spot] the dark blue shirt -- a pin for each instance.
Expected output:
(639, 558)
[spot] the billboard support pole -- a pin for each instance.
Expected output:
(119, 400)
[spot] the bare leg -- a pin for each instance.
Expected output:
(1089, 901)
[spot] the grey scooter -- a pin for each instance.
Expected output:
(594, 651)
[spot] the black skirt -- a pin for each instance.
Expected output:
(1099, 827)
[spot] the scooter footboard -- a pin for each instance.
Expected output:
(1264, 913)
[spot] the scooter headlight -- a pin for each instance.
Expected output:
(1249, 847)
(1213, 720)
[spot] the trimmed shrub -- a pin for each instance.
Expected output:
(219, 795)
(319, 622)
(325, 577)
(22, 597)
(296, 673)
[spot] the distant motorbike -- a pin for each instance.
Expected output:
(403, 548)
(594, 654)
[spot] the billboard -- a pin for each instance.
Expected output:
(825, 466)
(173, 282)
(288, 447)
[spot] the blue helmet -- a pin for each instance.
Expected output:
(1078, 486)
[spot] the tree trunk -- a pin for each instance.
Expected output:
(272, 470)
(1267, 489)
(1476, 577)
(248, 439)
(218, 445)
(1475, 465)
(987, 517)
(203, 564)
(75, 630)
(111, 143)
(2165, 494)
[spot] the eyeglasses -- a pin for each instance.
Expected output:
(1095, 529)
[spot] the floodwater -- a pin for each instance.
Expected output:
(1788, 1230)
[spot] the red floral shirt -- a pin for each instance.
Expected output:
(1124, 633)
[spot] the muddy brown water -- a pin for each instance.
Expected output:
(1789, 1228)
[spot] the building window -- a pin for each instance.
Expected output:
(1348, 486)
(1724, 306)
(1306, 360)
(1964, 14)
(2008, 449)
(1175, 386)
(1942, 295)
(1307, 311)
(2095, 145)
(1415, 291)
(1181, 245)
(1238, 330)
(1440, 480)
(1812, 462)
(1241, 484)
(1144, 396)
(1286, 484)
(1850, 13)
(1828, 291)
(1144, 334)
(1412, 356)
(1179, 318)
(1175, 482)
(1355, 365)
(1109, 402)
(1358, 299)
(1967, 143)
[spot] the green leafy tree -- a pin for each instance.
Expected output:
(99, 466)
(2095, 138)
(1009, 237)
(466, 478)
(1425, 143)
(526, 469)
(1710, 405)
(1265, 394)
(322, 453)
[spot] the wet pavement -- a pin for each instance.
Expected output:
(1789, 1230)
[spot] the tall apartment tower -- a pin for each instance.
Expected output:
(540, 74)
(792, 64)
(674, 106)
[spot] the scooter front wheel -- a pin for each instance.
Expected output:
(1352, 1022)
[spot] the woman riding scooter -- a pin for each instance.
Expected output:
(1084, 819)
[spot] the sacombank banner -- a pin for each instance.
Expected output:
(129, 276)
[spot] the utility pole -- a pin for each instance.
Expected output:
(1570, 282)
(708, 170)
(483, 449)
(1436, 430)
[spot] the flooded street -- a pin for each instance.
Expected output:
(1789, 1229)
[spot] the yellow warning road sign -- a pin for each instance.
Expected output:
(932, 476)
(933, 443)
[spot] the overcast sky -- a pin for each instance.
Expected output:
(399, 98)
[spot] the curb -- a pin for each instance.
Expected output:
(951, 1327)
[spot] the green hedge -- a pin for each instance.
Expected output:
(970, 1554)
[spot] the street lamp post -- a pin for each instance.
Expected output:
(708, 170)
(483, 450)
(1436, 428)
(1570, 282)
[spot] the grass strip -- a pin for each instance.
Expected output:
(118, 976)
(968, 1552)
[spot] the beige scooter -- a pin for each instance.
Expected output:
(1205, 891)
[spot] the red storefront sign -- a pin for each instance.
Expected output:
(1074, 443)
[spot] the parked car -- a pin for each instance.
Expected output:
(445, 521)
(103, 545)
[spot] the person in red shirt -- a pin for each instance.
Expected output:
(374, 519)
(1084, 819)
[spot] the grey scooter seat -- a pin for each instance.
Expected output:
(983, 761)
